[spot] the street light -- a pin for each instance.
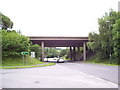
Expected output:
(108, 23)
(110, 37)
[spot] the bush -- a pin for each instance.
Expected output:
(13, 44)
(36, 48)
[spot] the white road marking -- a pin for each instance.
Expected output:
(112, 83)
(99, 78)
(92, 76)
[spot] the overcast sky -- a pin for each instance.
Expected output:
(56, 17)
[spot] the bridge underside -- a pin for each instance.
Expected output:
(71, 42)
(60, 43)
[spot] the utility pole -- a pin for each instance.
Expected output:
(110, 40)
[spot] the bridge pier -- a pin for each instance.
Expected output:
(74, 53)
(71, 53)
(84, 51)
(42, 46)
(79, 53)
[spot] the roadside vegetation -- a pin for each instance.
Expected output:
(13, 43)
(97, 60)
(57, 52)
(18, 61)
(106, 43)
(15, 67)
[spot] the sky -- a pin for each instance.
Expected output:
(56, 17)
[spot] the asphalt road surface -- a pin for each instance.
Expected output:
(109, 73)
(62, 75)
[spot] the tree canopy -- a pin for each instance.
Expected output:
(6, 22)
(13, 43)
(51, 52)
(116, 40)
(106, 42)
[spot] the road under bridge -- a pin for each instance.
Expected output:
(72, 42)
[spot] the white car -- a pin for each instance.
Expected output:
(61, 60)
(51, 59)
(46, 59)
(55, 59)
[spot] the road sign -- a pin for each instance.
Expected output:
(33, 54)
(25, 53)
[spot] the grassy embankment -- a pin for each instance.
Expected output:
(18, 63)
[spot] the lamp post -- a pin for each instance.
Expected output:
(110, 39)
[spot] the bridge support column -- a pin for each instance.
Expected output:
(70, 53)
(74, 53)
(78, 53)
(84, 51)
(42, 46)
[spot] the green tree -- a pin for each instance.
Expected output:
(6, 22)
(105, 32)
(116, 40)
(103, 42)
(63, 53)
(94, 43)
(51, 52)
(13, 44)
(36, 48)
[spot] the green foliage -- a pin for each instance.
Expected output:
(51, 52)
(96, 59)
(63, 53)
(6, 22)
(36, 48)
(13, 44)
(116, 40)
(94, 44)
(106, 40)
(55, 52)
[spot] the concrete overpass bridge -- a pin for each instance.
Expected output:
(72, 42)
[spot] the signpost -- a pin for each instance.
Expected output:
(24, 53)
(33, 54)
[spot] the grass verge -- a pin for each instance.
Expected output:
(67, 59)
(20, 62)
(96, 58)
(18, 67)
(101, 63)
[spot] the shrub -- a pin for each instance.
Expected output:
(36, 48)
(13, 44)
